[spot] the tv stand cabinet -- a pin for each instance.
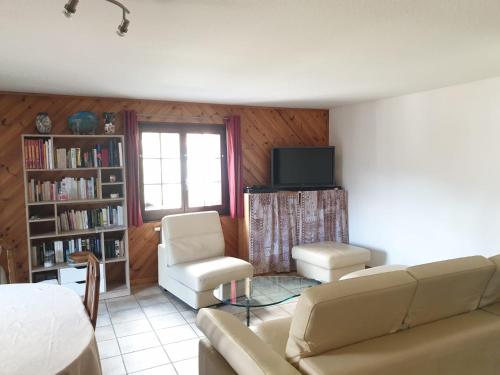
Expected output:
(276, 221)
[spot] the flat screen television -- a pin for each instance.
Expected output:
(308, 167)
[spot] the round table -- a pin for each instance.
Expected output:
(44, 329)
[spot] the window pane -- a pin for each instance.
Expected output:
(203, 145)
(213, 194)
(203, 169)
(151, 171)
(150, 145)
(171, 170)
(152, 197)
(172, 196)
(170, 145)
(196, 194)
(200, 195)
(213, 170)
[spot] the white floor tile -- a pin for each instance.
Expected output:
(179, 351)
(141, 341)
(127, 315)
(132, 328)
(152, 300)
(145, 359)
(113, 366)
(167, 321)
(104, 333)
(197, 330)
(189, 315)
(159, 309)
(108, 348)
(160, 370)
(103, 320)
(176, 334)
(122, 303)
(187, 367)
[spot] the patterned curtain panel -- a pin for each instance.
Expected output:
(274, 219)
(323, 216)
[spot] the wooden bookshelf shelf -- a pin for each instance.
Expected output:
(103, 200)
(84, 232)
(44, 237)
(42, 219)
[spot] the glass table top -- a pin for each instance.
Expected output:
(261, 291)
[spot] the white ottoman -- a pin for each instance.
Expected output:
(328, 261)
(374, 271)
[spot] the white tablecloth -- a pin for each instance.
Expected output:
(44, 329)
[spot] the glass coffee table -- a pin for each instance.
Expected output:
(262, 291)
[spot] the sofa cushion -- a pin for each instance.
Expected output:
(374, 271)
(329, 254)
(492, 292)
(493, 309)
(189, 237)
(275, 333)
(461, 345)
(208, 274)
(448, 288)
(333, 315)
(240, 347)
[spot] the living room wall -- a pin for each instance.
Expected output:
(423, 172)
(262, 129)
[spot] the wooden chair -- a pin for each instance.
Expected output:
(91, 299)
(11, 266)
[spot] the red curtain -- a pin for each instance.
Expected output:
(234, 169)
(131, 128)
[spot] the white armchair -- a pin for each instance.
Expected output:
(191, 261)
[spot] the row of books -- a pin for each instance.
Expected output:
(72, 220)
(38, 154)
(68, 188)
(98, 156)
(56, 252)
(114, 248)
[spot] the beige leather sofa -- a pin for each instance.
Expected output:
(438, 318)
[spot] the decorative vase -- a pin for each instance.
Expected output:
(83, 123)
(109, 119)
(43, 123)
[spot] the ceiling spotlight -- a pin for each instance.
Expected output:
(70, 8)
(123, 27)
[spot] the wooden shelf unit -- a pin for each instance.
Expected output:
(112, 287)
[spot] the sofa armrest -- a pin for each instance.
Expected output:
(241, 348)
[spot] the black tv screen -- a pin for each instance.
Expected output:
(303, 167)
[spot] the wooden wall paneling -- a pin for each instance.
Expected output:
(262, 129)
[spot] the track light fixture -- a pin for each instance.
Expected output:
(70, 9)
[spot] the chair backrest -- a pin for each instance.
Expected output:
(91, 299)
(191, 237)
(11, 266)
(337, 314)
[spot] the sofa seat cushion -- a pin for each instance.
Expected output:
(461, 345)
(275, 333)
(206, 274)
(331, 255)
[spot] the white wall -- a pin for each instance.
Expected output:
(423, 172)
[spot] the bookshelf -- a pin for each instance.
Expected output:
(76, 198)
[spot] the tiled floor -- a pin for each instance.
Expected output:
(152, 332)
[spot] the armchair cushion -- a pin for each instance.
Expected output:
(207, 274)
(193, 236)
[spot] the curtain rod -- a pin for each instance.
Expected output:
(181, 118)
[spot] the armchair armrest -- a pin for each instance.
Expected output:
(241, 348)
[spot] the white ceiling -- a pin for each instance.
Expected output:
(294, 53)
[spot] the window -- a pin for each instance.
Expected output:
(183, 169)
